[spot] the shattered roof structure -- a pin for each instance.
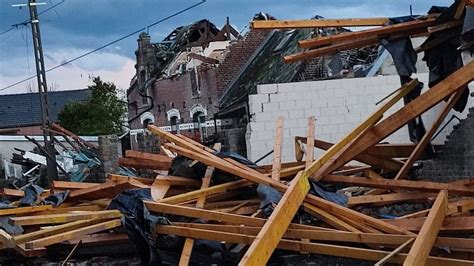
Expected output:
(266, 65)
(20, 110)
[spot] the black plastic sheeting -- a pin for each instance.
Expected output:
(180, 166)
(467, 33)
(445, 58)
(56, 199)
(269, 196)
(139, 223)
(31, 195)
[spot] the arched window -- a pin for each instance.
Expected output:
(174, 117)
(146, 119)
(174, 122)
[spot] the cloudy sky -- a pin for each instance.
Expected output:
(78, 26)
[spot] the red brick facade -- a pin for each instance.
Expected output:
(177, 93)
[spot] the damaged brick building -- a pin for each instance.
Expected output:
(179, 80)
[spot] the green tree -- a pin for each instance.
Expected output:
(103, 113)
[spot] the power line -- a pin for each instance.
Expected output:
(110, 43)
(26, 21)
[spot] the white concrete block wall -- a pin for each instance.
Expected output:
(338, 106)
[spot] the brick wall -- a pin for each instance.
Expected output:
(455, 160)
(237, 55)
(338, 105)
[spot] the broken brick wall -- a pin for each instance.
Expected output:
(454, 160)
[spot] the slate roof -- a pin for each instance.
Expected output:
(20, 110)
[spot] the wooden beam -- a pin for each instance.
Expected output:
(67, 185)
(267, 240)
(387, 198)
(394, 252)
(11, 192)
(377, 32)
(326, 234)
(425, 140)
(206, 191)
(369, 159)
(317, 248)
(53, 230)
(399, 184)
(457, 224)
(317, 23)
(415, 108)
(23, 210)
(421, 248)
(144, 163)
(369, 122)
(277, 146)
(147, 156)
(46, 241)
(309, 142)
(333, 49)
(63, 218)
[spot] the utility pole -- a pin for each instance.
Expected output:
(52, 171)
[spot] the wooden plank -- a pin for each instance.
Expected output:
(147, 156)
(277, 146)
(461, 224)
(425, 140)
(6, 240)
(67, 185)
(387, 198)
(325, 234)
(63, 218)
(415, 108)
(460, 9)
(394, 252)
(317, 248)
(206, 191)
(144, 163)
(317, 23)
(46, 241)
(369, 122)
(275, 226)
(159, 190)
(377, 32)
(23, 210)
(309, 142)
(399, 184)
(421, 248)
(206, 181)
(20, 239)
(330, 50)
(376, 161)
(11, 192)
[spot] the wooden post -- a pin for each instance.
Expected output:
(274, 228)
(277, 148)
(421, 248)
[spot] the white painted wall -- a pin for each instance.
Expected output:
(338, 105)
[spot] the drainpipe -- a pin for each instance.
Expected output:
(152, 103)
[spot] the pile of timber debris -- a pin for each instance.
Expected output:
(213, 207)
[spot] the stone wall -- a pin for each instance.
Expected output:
(338, 105)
